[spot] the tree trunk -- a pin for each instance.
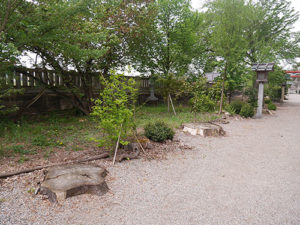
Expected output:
(222, 91)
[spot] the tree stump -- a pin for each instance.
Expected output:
(65, 181)
(203, 129)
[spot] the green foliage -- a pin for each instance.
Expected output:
(274, 92)
(203, 98)
(214, 91)
(23, 159)
(8, 57)
(251, 93)
(159, 131)
(247, 110)
(269, 33)
(170, 84)
(237, 106)
(268, 101)
(170, 43)
(202, 103)
(89, 36)
(41, 140)
(115, 109)
(164, 38)
(227, 24)
(230, 109)
(2, 151)
(272, 106)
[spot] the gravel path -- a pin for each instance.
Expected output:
(251, 176)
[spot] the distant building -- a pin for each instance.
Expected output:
(211, 76)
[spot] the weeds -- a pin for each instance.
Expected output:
(23, 159)
(45, 134)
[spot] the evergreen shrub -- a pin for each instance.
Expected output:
(272, 106)
(159, 131)
(247, 110)
(237, 106)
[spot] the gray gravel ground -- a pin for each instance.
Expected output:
(250, 176)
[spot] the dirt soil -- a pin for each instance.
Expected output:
(250, 176)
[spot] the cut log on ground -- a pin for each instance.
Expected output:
(65, 181)
(203, 129)
(132, 151)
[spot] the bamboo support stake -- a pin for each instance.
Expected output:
(172, 105)
(168, 100)
(117, 145)
(140, 143)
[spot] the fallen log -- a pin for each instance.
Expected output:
(10, 174)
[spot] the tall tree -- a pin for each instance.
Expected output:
(86, 36)
(227, 27)
(11, 14)
(169, 46)
(269, 34)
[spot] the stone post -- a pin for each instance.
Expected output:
(152, 96)
(282, 94)
(260, 100)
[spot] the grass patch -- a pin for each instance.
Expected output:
(152, 114)
(46, 133)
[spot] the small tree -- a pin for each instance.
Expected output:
(115, 109)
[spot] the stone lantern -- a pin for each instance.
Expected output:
(262, 70)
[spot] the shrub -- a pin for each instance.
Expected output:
(272, 106)
(251, 93)
(159, 131)
(268, 101)
(247, 110)
(202, 103)
(237, 106)
(229, 109)
(274, 92)
(115, 109)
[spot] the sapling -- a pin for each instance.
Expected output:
(115, 109)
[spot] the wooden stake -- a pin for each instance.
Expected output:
(117, 145)
(168, 100)
(172, 105)
(140, 143)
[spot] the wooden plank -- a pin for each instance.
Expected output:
(18, 80)
(39, 75)
(61, 81)
(51, 79)
(30, 79)
(55, 79)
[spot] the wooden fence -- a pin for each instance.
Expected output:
(32, 78)
(38, 87)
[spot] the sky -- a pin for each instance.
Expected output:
(197, 4)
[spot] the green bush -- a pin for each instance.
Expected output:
(202, 103)
(247, 110)
(274, 92)
(159, 131)
(228, 108)
(237, 106)
(268, 101)
(272, 106)
(251, 93)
